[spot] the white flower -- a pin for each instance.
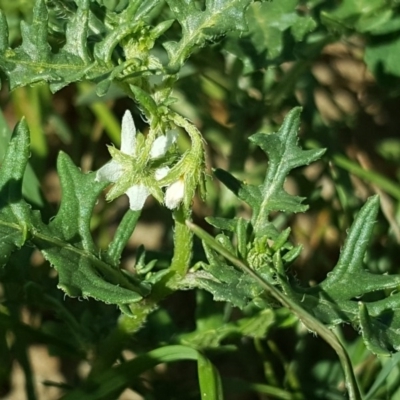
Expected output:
(128, 167)
(174, 194)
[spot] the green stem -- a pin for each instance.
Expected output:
(308, 320)
(379, 180)
(113, 345)
(183, 242)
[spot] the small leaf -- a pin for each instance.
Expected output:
(122, 235)
(222, 280)
(147, 104)
(34, 36)
(284, 155)
(374, 337)
(14, 212)
(30, 182)
(77, 32)
(209, 379)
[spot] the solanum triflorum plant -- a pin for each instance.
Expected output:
(249, 262)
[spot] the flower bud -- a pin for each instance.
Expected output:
(174, 194)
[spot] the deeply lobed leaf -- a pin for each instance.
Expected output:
(71, 250)
(66, 242)
(339, 298)
(343, 296)
(284, 155)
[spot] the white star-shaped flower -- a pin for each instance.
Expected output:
(129, 168)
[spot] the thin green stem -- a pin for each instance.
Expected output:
(379, 180)
(308, 320)
(183, 242)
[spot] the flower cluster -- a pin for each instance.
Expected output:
(137, 168)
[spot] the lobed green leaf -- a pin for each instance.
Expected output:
(284, 154)
(71, 250)
(344, 295)
(66, 242)
(15, 213)
(340, 297)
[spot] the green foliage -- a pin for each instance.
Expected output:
(66, 242)
(111, 383)
(30, 182)
(34, 61)
(271, 196)
(265, 42)
(343, 296)
(198, 26)
(240, 299)
(380, 22)
(15, 212)
(337, 299)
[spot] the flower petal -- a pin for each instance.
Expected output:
(128, 134)
(174, 194)
(137, 196)
(161, 173)
(162, 144)
(109, 172)
(159, 147)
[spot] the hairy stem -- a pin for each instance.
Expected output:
(307, 319)
(183, 241)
